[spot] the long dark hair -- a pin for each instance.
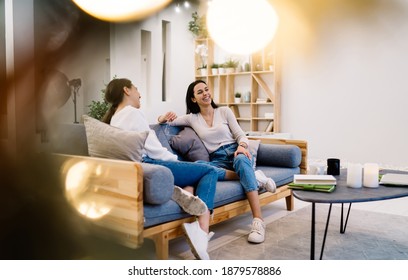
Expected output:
(192, 107)
(114, 96)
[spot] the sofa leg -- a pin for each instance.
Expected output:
(290, 202)
(161, 242)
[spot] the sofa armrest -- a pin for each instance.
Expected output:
(158, 183)
(301, 144)
(108, 193)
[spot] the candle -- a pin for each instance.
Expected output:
(354, 175)
(371, 172)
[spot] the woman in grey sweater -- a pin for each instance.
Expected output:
(228, 147)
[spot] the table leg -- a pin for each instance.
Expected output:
(325, 231)
(344, 225)
(313, 232)
(312, 236)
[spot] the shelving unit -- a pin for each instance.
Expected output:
(258, 74)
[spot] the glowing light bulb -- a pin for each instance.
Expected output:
(123, 10)
(241, 26)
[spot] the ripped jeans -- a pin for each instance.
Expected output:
(223, 158)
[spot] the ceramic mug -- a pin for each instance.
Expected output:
(333, 166)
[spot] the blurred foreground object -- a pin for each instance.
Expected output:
(241, 26)
(123, 10)
(37, 221)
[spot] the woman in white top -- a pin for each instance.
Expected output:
(124, 113)
(228, 147)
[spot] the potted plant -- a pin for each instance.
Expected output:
(221, 68)
(97, 109)
(202, 70)
(237, 98)
(214, 68)
(230, 65)
(198, 26)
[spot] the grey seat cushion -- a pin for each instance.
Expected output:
(226, 192)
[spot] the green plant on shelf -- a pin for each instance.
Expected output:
(230, 63)
(198, 26)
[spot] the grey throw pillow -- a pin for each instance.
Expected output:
(111, 142)
(188, 145)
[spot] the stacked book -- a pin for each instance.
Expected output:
(319, 183)
(394, 179)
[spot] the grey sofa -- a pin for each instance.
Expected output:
(159, 217)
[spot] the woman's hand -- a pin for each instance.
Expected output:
(242, 150)
(168, 117)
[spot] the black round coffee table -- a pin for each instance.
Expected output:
(343, 194)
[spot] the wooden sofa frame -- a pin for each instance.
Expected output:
(116, 190)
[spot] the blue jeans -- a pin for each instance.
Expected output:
(200, 176)
(223, 158)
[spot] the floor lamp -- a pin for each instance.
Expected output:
(74, 84)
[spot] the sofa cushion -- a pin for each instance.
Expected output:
(189, 146)
(226, 192)
(107, 141)
(279, 155)
(69, 138)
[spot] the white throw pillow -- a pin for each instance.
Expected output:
(107, 141)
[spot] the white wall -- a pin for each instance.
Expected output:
(343, 75)
(344, 87)
(126, 59)
(343, 90)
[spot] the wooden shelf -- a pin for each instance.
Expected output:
(262, 81)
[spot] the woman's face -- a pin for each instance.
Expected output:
(134, 96)
(202, 95)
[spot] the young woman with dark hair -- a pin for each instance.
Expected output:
(228, 147)
(125, 113)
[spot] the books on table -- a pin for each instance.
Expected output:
(394, 179)
(319, 183)
(314, 179)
